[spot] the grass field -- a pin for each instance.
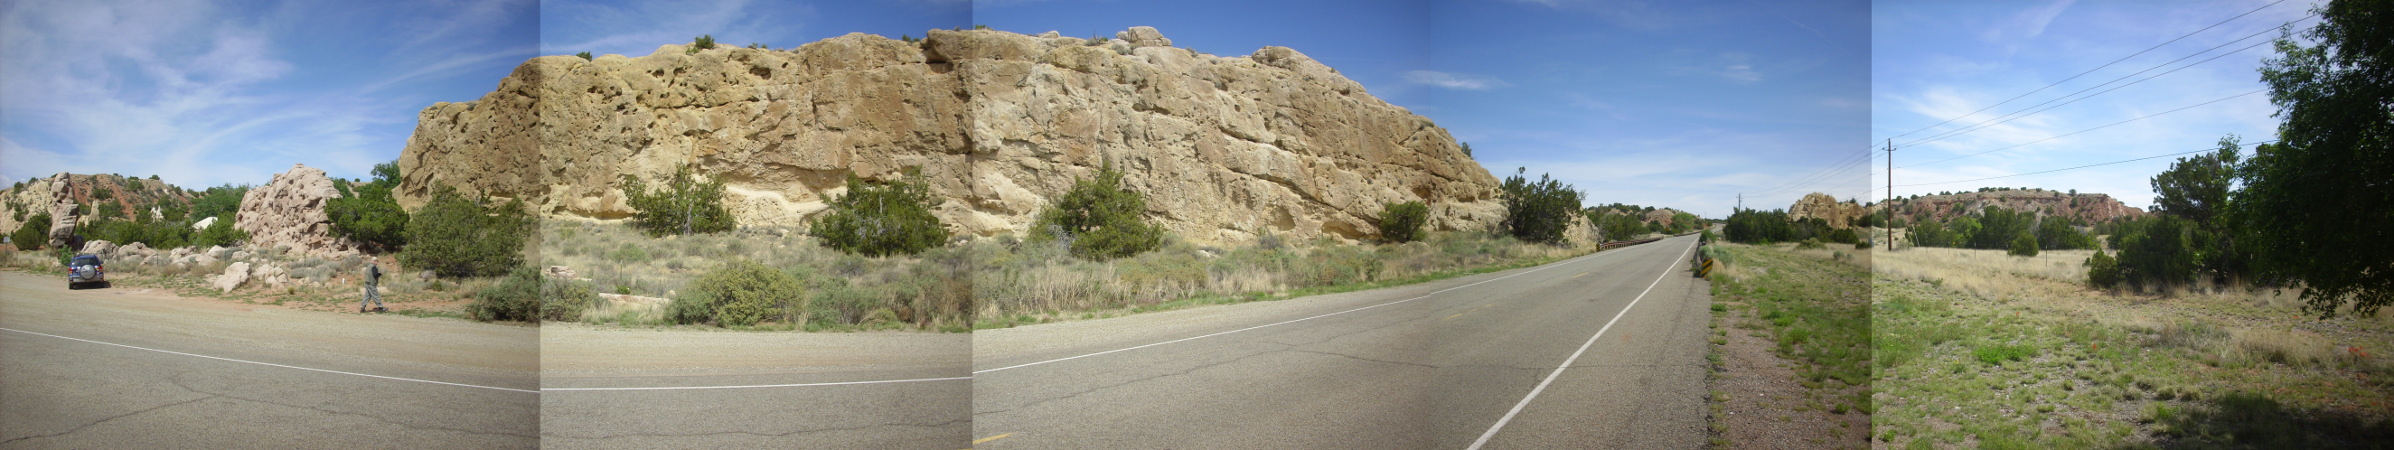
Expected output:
(1973, 348)
(1811, 306)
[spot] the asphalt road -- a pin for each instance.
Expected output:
(616, 388)
(1435, 365)
(92, 369)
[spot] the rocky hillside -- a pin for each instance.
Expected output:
(62, 193)
(1225, 148)
(2092, 208)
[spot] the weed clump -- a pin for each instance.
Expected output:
(1401, 222)
(514, 298)
(740, 293)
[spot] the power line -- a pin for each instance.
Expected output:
(2075, 168)
(2147, 116)
(2024, 112)
(1833, 172)
(2088, 71)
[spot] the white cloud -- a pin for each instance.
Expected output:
(1453, 81)
(1739, 67)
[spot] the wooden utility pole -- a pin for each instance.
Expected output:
(1889, 205)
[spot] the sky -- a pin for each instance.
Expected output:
(1683, 104)
(206, 93)
(1939, 60)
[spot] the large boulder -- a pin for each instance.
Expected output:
(232, 278)
(1822, 206)
(289, 211)
(1000, 124)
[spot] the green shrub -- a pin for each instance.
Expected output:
(2101, 270)
(703, 42)
(1810, 244)
(1098, 219)
(1538, 211)
(684, 205)
(33, 233)
(628, 253)
(879, 219)
(2023, 245)
(514, 298)
(1844, 236)
(1997, 354)
(1402, 222)
(742, 293)
(454, 236)
(369, 214)
(222, 232)
(585, 55)
(564, 300)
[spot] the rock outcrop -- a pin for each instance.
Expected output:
(1822, 206)
(289, 212)
(2089, 207)
(1224, 148)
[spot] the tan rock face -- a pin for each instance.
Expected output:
(1223, 147)
(1838, 214)
(290, 211)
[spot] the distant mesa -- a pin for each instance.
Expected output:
(1225, 148)
(2087, 207)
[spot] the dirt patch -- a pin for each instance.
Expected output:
(1760, 404)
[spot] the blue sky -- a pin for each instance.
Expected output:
(204, 93)
(1678, 104)
(1936, 60)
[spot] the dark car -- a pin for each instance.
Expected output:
(86, 268)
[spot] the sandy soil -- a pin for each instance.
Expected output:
(1763, 410)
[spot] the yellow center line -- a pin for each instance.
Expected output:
(991, 438)
(1467, 311)
(1581, 274)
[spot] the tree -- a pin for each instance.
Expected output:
(1401, 222)
(455, 236)
(879, 219)
(1099, 219)
(584, 55)
(683, 205)
(2024, 245)
(33, 233)
(221, 232)
(2156, 252)
(369, 214)
(2101, 271)
(1538, 211)
(2317, 201)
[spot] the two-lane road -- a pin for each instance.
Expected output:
(126, 367)
(1478, 360)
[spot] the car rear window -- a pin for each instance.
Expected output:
(87, 260)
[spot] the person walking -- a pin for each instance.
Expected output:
(373, 280)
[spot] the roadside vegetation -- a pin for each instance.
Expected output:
(1808, 305)
(1976, 348)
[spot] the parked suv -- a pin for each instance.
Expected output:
(85, 268)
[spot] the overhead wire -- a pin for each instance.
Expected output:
(2256, 144)
(2093, 70)
(2147, 116)
(2024, 112)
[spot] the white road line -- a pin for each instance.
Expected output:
(220, 358)
(691, 388)
(1583, 348)
(1069, 358)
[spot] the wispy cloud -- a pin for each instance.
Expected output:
(1453, 80)
(640, 27)
(2027, 24)
(1739, 67)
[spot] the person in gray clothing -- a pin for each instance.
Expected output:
(373, 279)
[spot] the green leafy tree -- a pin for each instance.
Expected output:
(2317, 202)
(221, 232)
(584, 55)
(369, 214)
(218, 201)
(2157, 252)
(2102, 271)
(1930, 233)
(455, 236)
(33, 233)
(1538, 211)
(878, 219)
(1099, 219)
(1402, 222)
(683, 205)
(2023, 245)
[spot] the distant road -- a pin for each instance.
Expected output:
(1448, 364)
(617, 388)
(128, 367)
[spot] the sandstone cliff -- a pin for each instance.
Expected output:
(1224, 147)
(2089, 207)
(64, 195)
(1838, 214)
